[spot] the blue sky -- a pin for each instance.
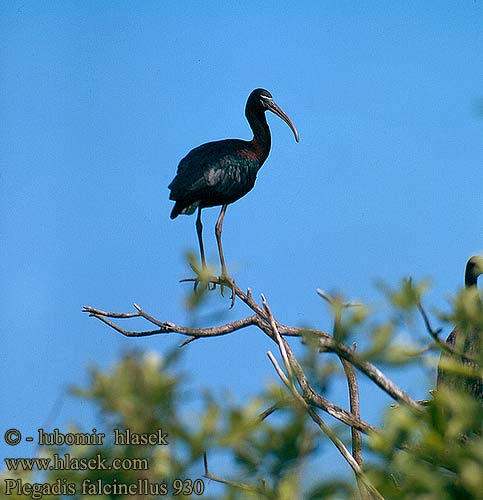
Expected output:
(100, 101)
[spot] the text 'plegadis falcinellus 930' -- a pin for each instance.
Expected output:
(466, 340)
(221, 172)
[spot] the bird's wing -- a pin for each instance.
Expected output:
(212, 169)
(230, 178)
(189, 171)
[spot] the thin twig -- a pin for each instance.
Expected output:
(279, 371)
(266, 413)
(331, 300)
(445, 346)
(92, 312)
(434, 333)
(234, 484)
(278, 339)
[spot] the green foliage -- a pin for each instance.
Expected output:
(467, 309)
(433, 454)
(145, 392)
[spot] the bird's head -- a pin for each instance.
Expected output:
(474, 267)
(261, 100)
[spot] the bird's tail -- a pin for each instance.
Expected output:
(180, 208)
(175, 212)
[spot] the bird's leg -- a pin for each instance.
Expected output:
(199, 231)
(204, 267)
(224, 273)
(218, 229)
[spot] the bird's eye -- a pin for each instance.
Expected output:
(265, 99)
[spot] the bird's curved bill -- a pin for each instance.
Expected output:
(274, 108)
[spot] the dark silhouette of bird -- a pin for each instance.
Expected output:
(465, 341)
(221, 172)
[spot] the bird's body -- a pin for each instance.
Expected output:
(465, 341)
(471, 350)
(221, 172)
(213, 174)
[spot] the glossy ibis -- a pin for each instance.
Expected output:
(221, 172)
(465, 339)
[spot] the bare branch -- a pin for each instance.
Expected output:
(278, 339)
(351, 377)
(280, 372)
(355, 466)
(94, 312)
(314, 398)
(345, 452)
(355, 433)
(354, 408)
(315, 417)
(168, 327)
(328, 343)
(195, 333)
(262, 320)
(309, 394)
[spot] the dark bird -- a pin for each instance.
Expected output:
(221, 172)
(465, 341)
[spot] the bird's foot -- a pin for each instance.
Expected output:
(206, 280)
(224, 281)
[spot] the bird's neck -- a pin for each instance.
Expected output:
(262, 139)
(471, 285)
(470, 279)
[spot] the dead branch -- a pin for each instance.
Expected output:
(167, 326)
(354, 408)
(271, 327)
(328, 343)
(288, 382)
(353, 387)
